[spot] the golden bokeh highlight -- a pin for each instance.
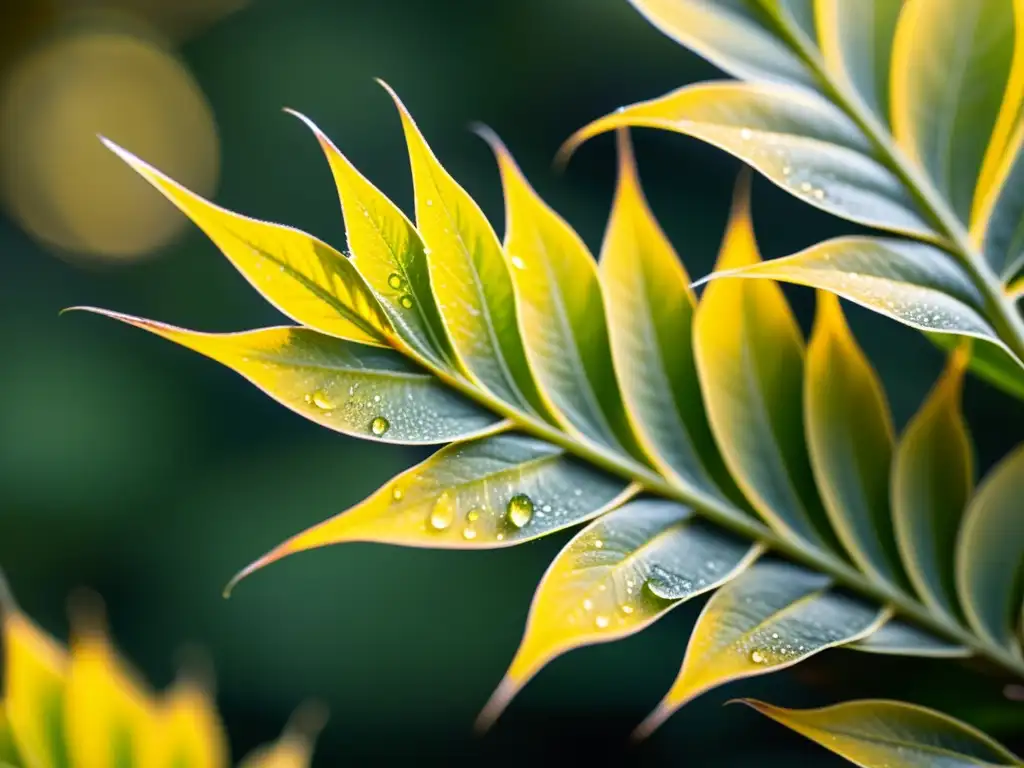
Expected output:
(56, 178)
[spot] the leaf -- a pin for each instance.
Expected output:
(749, 356)
(389, 253)
(295, 747)
(898, 638)
(850, 438)
(999, 224)
(559, 296)
(617, 576)
(8, 751)
(190, 730)
(367, 392)
(492, 492)
(301, 276)
(770, 617)
(994, 364)
(891, 734)
(933, 474)
(469, 275)
(650, 316)
(950, 66)
(990, 553)
(795, 138)
(735, 35)
(34, 674)
(856, 46)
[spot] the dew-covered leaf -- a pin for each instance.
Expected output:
(367, 392)
(749, 356)
(898, 638)
(735, 35)
(950, 67)
(856, 44)
(650, 318)
(990, 553)
(933, 474)
(492, 492)
(469, 275)
(389, 253)
(561, 312)
(795, 138)
(892, 734)
(617, 576)
(302, 276)
(850, 438)
(771, 616)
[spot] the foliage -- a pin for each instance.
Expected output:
(84, 707)
(695, 437)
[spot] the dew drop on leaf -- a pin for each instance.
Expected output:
(588, 605)
(601, 621)
(519, 510)
(518, 263)
(473, 515)
(469, 532)
(626, 608)
(406, 301)
(443, 512)
(379, 426)
(321, 400)
(758, 658)
(395, 280)
(397, 493)
(746, 134)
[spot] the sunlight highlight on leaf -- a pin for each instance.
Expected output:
(892, 734)
(367, 392)
(618, 576)
(492, 492)
(302, 276)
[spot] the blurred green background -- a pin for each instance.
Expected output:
(151, 475)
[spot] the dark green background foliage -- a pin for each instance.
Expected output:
(151, 475)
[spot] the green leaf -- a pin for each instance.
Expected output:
(749, 355)
(950, 67)
(990, 553)
(933, 474)
(856, 46)
(559, 296)
(891, 734)
(999, 224)
(770, 617)
(994, 364)
(795, 138)
(470, 277)
(850, 437)
(8, 751)
(303, 277)
(650, 318)
(617, 576)
(898, 638)
(389, 253)
(492, 492)
(367, 392)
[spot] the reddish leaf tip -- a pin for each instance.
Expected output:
(651, 723)
(495, 705)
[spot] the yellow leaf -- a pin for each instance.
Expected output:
(295, 747)
(470, 277)
(302, 276)
(190, 732)
(389, 253)
(892, 734)
(8, 751)
(561, 312)
(617, 576)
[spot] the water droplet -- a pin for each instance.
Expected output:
(473, 515)
(758, 658)
(786, 170)
(395, 280)
(500, 537)
(321, 400)
(379, 426)
(443, 512)
(518, 263)
(519, 510)
(546, 508)
(819, 194)
(746, 134)
(469, 533)
(601, 621)
(397, 493)
(598, 543)
(588, 605)
(805, 186)
(627, 608)
(430, 202)
(406, 301)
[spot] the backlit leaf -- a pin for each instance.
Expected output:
(368, 392)
(994, 364)
(492, 492)
(898, 638)
(850, 437)
(770, 617)
(190, 732)
(735, 35)
(892, 734)
(749, 356)
(617, 576)
(560, 312)
(795, 138)
(999, 225)
(933, 474)
(303, 277)
(469, 276)
(990, 553)
(389, 253)
(650, 315)
(950, 66)
(856, 44)
(8, 751)
(294, 749)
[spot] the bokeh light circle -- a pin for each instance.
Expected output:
(56, 178)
